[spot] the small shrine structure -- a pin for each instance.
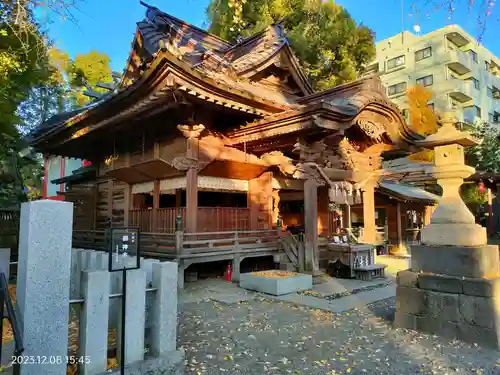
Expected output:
(221, 135)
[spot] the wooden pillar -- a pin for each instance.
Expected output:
(191, 200)
(192, 133)
(178, 198)
(260, 201)
(110, 203)
(401, 245)
(191, 219)
(311, 225)
(156, 206)
(369, 226)
(127, 204)
(400, 225)
(323, 212)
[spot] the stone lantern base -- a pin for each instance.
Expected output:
(463, 303)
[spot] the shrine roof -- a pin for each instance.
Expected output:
(407, 192)
(170, 57)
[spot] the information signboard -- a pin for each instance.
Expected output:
(124, 252)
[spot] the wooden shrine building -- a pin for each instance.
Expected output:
(222, 135)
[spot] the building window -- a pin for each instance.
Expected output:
(487, 66)
(397, 61)
(425, 81)
(490, 92)
(475, 83)
(423, 54)
(398, 88)
(493, 118)
(473, 55)
(470, 113)
(495, 93)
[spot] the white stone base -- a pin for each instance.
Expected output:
(454, 235)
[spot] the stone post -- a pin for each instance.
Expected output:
(5, 262)
(43, 285)
(164, 309)
(94, 322)
(135, 317)
(453, 287)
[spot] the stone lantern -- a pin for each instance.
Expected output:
(453, 286)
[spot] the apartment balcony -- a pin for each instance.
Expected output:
(459, 90)
(459, 61)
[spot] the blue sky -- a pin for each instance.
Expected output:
(109, 25)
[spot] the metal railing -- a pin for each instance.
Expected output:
(111, 296)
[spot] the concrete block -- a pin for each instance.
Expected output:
(440, 283)
(43, 283)
(456, 261)
(437, 326)
(410, 300)
(75, 273)
(407, 278)
(170, 364)
(276, 286)
(102, 261)
(482, 287)
(480, 311)
(94, 322)
(147, 266)
(404, 320)
(479, 335)
(439, 305)
(135, 317)
(5, 262)
(164, 309)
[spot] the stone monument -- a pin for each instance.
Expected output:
(453, 286)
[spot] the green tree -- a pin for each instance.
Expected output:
(485, 156)
(332, 48)
(84, 72)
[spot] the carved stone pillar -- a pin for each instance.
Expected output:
(192, 133)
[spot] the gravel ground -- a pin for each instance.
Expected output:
(270, 337)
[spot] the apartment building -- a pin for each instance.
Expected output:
(461, 74)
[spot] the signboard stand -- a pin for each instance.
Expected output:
(124, 255)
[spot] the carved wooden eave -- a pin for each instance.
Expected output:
(158, 84)
(366, 101)
(318, 118)
(268, 47)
